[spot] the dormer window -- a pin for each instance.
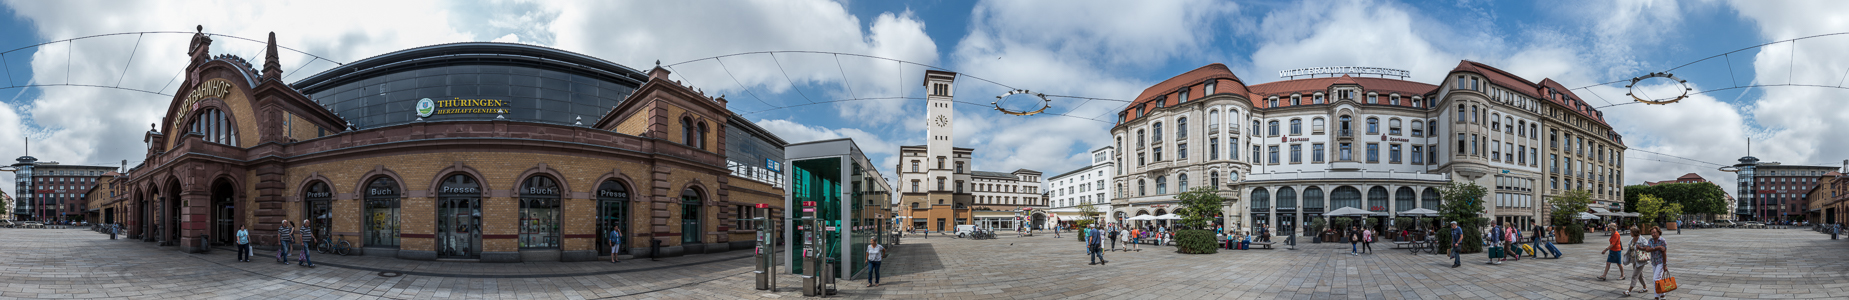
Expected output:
(1296, 99)
(1318, 99)
(1373, 98)
(1208, 90)
(1394, 100)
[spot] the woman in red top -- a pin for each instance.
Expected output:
(1613, 254)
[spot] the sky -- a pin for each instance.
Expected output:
(1108, 50)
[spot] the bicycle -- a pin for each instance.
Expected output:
(341, 247)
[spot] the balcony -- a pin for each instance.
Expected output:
(1345, 133)
(1213, 128)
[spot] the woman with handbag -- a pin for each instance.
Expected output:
(1659, 262)
(1636, 259)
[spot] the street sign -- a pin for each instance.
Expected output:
(763, 205)
(808, 203)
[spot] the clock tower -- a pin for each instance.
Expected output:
(939, 117)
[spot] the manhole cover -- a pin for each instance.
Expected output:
(390, 274)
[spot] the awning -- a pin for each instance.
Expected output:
(1071, 218)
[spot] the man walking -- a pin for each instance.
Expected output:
(1457, 238)
(1112, 235)
(1094, 246)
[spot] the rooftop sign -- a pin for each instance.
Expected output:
(1332, 71)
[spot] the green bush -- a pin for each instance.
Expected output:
(1195, 241)
(1576, 233)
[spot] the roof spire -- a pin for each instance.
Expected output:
(272, 67)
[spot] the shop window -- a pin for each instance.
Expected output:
(539, 213)
(381, 213)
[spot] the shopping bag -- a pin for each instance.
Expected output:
(1665, 285)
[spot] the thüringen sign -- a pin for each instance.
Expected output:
(1312, 72)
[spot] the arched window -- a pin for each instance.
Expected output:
(688, 132)
(691, 231)
(1213, 119)
(1342, 124)
(459, 217)
(1157, 136)
(1418, 128)
(612, 213)
(539, 213)
(699, 138)
(1161, 185)
(381, 213)
(1316, 125)
(1287, 198)
(1345, 196)
(1373, 125)
(1181, 128)
(1429, 200)
(1274, 127)
(1141, 189)
(1213, 179)
(1393, 126)
(320, 204)
(215, 126)
(1404, 198)
(1261, 200)
(1377, 199)
(1181, 183)
(1296, 126)
(1313, 198)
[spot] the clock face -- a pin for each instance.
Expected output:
(941, 121)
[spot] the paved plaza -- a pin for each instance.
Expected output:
(1710, 263)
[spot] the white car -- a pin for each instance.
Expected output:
(964, 230)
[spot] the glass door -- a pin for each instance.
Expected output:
(1287, 224)
(459, 227)
(610, 216)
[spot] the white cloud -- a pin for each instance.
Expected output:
(672, 32)
(1076, 48)
(103, 126)
(878, 149)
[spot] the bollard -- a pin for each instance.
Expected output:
(205, 244)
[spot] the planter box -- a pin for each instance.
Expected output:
(1671, 225)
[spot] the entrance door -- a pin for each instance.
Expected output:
(459, 227)
(610, 214)
(1287, 224)
(224, 229)
(320, 214)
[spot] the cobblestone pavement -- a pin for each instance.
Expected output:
(1709, 263)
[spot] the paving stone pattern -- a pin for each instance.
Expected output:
(1709, 263)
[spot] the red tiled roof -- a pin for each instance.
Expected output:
(1225, 83)
(1537, 90)
(1690, 176)
(1309, 86)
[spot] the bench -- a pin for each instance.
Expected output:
(1405, 244)
(1267, 245)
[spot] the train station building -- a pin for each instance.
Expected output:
(488, 152)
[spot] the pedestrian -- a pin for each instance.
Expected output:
(1457, 239)
(616, 242)
(1659, 259)
(1112, 235)
(1613, 253)
(1354, 240)
(875, 254)
(1535, 240)
(1056, 229)
(308, 236)
(1514, 241)
(243, 244)
(1367, 240)
(1094, 244)
(1494, 242)
(284, 240)
(1136, 238)
(1678, 227)
(1636, 259)
(1126, 236)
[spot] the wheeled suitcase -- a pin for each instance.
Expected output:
(1495, 252)
(1556, 251)
(1527, 250)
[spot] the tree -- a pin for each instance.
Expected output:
(1088, 211)
(1198, 205)
(1567, 207)
(1652, 211)
(1695, 198)
(1463, 203)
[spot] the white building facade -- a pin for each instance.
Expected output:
(1086, 186)
(1286, 152)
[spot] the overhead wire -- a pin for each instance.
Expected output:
(780, 69)
(741, 85)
